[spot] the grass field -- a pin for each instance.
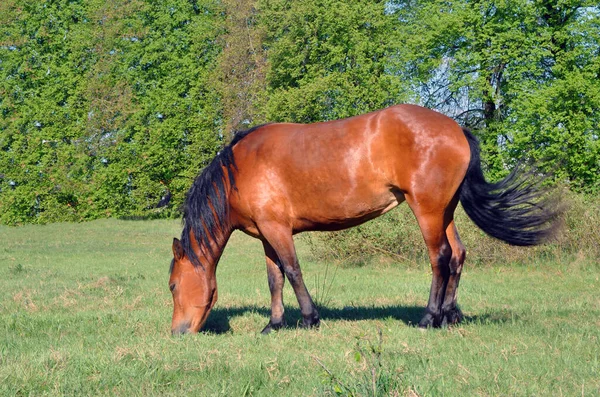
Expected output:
(85, 310)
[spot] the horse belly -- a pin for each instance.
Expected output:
(348, 212)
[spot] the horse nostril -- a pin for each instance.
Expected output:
(181, 329)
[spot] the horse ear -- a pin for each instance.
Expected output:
(177, 249)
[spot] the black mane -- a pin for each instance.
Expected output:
(206, 208)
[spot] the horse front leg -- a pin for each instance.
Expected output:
(276, 279)
(280, 239)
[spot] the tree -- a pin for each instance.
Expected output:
(107, 106)
(40, 73)
(242, 65)
(111, 107)
(328, 59)
(523, 74)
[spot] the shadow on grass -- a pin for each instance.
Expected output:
(497, 317)
(218, 321)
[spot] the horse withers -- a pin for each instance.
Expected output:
(275, 180)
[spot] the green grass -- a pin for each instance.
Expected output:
(85, 309)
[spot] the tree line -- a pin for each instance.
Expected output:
(111, 107)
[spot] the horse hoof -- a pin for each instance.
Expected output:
(452, 317)
(272, 327)
(311, 322)
(429, 321)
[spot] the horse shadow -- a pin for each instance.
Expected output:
(218, 321)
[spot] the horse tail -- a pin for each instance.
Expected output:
(516, 210)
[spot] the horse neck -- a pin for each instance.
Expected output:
(214, 252)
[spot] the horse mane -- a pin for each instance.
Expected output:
(206, 207)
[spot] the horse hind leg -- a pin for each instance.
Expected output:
(446, 254)
(440, 252)
(451, 314)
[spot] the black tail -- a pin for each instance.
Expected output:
(516, 210)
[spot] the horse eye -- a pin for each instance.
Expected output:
(172, 287)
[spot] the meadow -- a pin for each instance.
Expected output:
(85, 310)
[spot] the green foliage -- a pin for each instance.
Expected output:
(328, 59)
(242, 66)
(525, 75)
(557, 128)
(107, 107)
(395, 235)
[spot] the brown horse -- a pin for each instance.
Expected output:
(276, 180)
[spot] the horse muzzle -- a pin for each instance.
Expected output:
(181, 329)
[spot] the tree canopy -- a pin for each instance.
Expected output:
(110, 108)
